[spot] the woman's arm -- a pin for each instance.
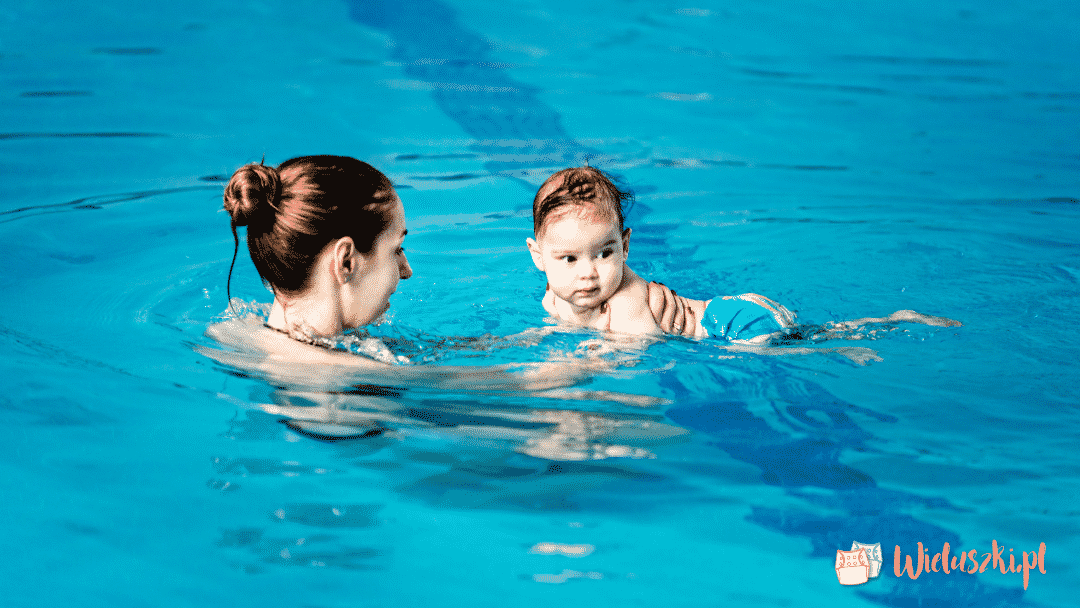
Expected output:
(673, 313)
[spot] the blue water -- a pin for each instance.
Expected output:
(846, 160)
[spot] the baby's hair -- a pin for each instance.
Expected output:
(294, 211)
(580, 187)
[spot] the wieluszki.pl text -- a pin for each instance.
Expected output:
(971, 562)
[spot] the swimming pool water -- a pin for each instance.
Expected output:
(844, 159)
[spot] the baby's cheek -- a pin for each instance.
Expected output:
(614, 276)
(559, 277)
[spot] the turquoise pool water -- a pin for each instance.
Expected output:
(846, 160)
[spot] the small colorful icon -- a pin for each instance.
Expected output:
(859, 565)
(873, 555)
(852, 567)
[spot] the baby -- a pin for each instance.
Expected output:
(582, 246)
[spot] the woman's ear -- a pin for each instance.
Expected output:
(626, 243)
(537, 255)
(346, 260)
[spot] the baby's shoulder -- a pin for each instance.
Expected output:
(632, 294)
(549, 303)
(629, 307)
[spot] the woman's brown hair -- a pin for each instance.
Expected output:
(292, 212)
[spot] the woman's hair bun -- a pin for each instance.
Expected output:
(252, 194)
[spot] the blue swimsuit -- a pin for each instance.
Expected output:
(746, 317)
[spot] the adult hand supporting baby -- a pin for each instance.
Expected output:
(672, 312)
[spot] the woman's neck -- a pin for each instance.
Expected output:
(305, 315)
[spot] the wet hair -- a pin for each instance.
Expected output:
(292, 212)
(586, 187)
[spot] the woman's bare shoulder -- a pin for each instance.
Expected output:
(250, 347)
(253, 339)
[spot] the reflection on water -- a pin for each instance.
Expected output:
(583, 436)
(313, 551)
(532, 451)
(566, 575)
(561, 549)
(522, 422)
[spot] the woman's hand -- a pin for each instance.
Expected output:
(672, 312)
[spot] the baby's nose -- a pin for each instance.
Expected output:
(587, 268)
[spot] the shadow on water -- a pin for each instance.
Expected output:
(514, 129)
(805, 462)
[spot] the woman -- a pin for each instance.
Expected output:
(325, 234)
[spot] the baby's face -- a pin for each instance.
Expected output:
(583, 257)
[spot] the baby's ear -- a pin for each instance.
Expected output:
(626, 242)
(537, 256)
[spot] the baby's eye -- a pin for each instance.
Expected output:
(607, 253)
(569, 259)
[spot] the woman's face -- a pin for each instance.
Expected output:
(368, 291)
